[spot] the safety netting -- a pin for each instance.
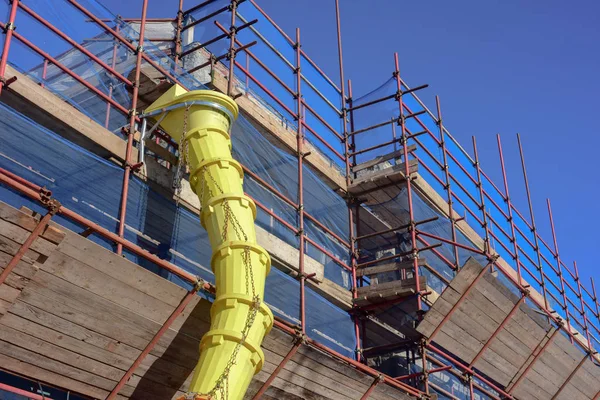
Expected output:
(267, 70)
(55, 63)
(75, 74)
(537, 263)
(91, 187)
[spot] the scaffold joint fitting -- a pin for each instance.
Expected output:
(300, 338)
(48, 201)
(6, 82)
(10, 27)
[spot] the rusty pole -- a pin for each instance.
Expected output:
(132, 122)
(8, 30)
(166, 325)
(37, 231)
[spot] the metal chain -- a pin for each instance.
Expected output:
(222, 385)
(183, 157)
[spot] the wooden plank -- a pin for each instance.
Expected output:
(99, 347)
(583, 382)
(487, 313)
(529, 390)
(383, 158)
(369, 183)
(409, 283)
(16, 280)
(36, 372)
(481, 327)
(272, 393)
(19, 235)
(111, 288)
(91, 254)
(104, 317)
(272, 127)
(29, 222)
(27, 353)
(458, 342)
(11, 248)
(59, 361)
(24, 267)
(389, 267)
(167, 377)
(50, 111)
(572, 392)
(8, 293)
(322, 364)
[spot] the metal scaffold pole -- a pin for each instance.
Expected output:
(178, 28)
(408, 177)
(412, 223)
(129, 168)
(532, 225)
(300, 153)
(347, 148)
(448, 181)
(9, 28)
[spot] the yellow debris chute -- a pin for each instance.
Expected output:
(230, 354)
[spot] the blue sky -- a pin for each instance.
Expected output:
(499, 67)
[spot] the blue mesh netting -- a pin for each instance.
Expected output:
(66, 18)
(91, 187)
(276, 52)
(465, 195)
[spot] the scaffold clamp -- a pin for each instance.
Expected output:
(48, 201)
(6, 82)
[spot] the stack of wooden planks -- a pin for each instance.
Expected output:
(481, 312)
(14, 230)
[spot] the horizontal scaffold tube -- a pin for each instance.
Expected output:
(230, 353)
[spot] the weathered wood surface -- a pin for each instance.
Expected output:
(15, 228)
(480, 314)
(383, 185)
(389, 267)
(383, 292)
(87, 313)
(383, 158)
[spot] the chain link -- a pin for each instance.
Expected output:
(183, 157)
(222, 385)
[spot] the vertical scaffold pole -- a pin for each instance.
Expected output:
(582, 304)
(131, 133)
(486, 244)
(412, 228)
(44, 72)
(150, 346)
(300, 148)
(595, 299)
(37, 231)
(446, 169)
(533, 226)
(559, 269)
(232, 32)
(360, 332)
(347, 148)
(111, 87)
(408, 177)
(178, 28)
(10, 27)
(511, 221)
(471, 389)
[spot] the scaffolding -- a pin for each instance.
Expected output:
(471, 217)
